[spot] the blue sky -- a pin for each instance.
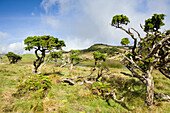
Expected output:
(80, 23)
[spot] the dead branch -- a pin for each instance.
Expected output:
(71, 81)
(162, 96)
(112, 95)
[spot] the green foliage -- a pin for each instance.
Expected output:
(167, 32)
(37, 83)
(75, 57)
(99, 56)
(46, 42)
(56, 54)
(125, 41)
(99, 88)
(74, 51)
(119, 19)
(103, 48)
(13, 58)
(154, 23)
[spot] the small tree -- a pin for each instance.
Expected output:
(148, 53)
(42, 44)
(55, 55)
(98, 57)
(74, 57)
(125, 41)
(13, 58)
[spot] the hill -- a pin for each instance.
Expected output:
(108, 50)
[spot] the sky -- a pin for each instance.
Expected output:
(80, 23)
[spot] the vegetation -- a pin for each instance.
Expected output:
(74, 57)
(151, 52)
(42, 44)
(125, 41)
(13, 58)
(105, 49)
(101, 87)
(98, 57)
(56, 55)
(62, 97)
(38, 84)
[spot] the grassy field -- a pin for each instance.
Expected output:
(62, 97)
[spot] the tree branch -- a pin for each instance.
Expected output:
(156, 47)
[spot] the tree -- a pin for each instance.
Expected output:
(98, 57)
(148, 53)
(13, 58)
(74, 57)
(125, 41)
(42, 44)
(55, 55)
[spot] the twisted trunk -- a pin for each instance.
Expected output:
(39, 60)
(149, 90)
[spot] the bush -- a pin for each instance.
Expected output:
(38, 84)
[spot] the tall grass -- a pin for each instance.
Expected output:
(63, 97)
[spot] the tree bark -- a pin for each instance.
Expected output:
(71, 65)
(149, 90)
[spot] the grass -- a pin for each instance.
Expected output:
(76, 99)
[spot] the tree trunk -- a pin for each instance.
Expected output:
(71, 65)
(149, 90)
(39, 60)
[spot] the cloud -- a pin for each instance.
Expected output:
(81, 23)
(88, 21)
(17, 48)
(47, 4)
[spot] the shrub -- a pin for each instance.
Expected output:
(38, 84)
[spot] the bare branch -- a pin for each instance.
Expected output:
(156, 47)
(137, 33)
(113, 95)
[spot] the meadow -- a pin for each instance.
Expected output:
(62, 97)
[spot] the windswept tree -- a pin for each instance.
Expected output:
(98, 57)
(125, 41)
(13, 58)
(42, 44)
(74, 58)
(148, 53)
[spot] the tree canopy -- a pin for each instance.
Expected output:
(154, 23)
(98, 57)
(119, 20)
(125, 41)
(74, 57)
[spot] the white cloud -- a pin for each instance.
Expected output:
(82, 23)
(17, 48)
(88, 21)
